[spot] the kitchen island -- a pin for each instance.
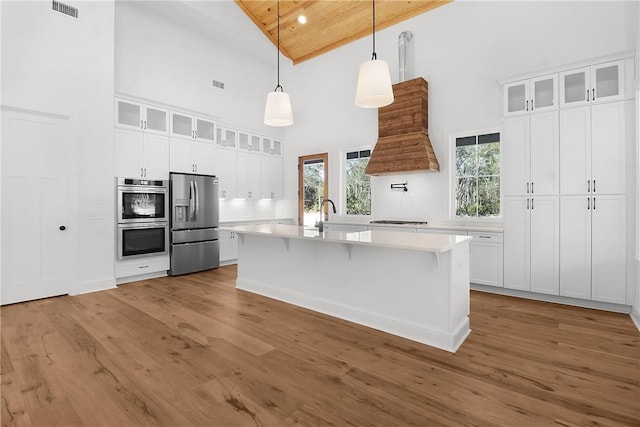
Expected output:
(413, 286)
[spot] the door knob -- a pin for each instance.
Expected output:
(62, 228)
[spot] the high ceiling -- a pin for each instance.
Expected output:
(330, 24)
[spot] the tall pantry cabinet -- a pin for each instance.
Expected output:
(564, 182)
(530, 184)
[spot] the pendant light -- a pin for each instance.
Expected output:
(278, 112)
(374, 81)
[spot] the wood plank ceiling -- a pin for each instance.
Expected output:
(330, 24)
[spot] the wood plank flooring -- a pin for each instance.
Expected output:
(194, 351)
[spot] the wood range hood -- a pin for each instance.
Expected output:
(403, 133)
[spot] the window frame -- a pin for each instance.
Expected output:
(453, 177)
(343, 182)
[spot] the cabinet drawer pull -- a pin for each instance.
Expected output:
(484, 237)
(143, 266)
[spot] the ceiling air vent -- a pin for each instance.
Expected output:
(65, 8)
(218, 84)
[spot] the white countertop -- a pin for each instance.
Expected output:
(480, 228)
(381, 238)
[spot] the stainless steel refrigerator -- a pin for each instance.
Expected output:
(194, 223)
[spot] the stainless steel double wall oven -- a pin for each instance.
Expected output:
(143, 218)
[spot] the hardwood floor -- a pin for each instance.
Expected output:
(193, 350)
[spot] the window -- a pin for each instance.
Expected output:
(358, 184)
(477, 169)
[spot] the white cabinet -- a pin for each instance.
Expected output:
(226, 137)
(249, 166)
(141, 266)
(531, 243)
(228, 247)
(228, 173)
(271, 168)
(442, 231)
(598, 83)
(140, 155)
(141, 117)
(530, 155)
(249, 175)
(592, 149)
(592, 247)
(189, 156)
(349, 228)
(486, 259)
(532, 95)
(185, 125)
(271, 182)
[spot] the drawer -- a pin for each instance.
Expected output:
(486, 237)
(141, 266)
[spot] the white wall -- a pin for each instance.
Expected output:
(461, 49)
(162, 61)
(56, 64)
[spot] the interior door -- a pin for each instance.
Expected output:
(37, 242)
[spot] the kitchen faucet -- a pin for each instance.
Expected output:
(321, 224)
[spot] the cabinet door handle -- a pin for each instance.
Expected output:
(588, 203)
(588, 186)
(532, 203)
(594, 203)
(593, 94)
(145, 172)
(532, 105)
(527, 105)
(594, 185)
(145, 124)
(532, 188)
(587, 95)
(196, 167)
(141, 124)
(527, 188)
(527, 203)
(141, 172)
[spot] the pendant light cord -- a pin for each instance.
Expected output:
(278, 62)
(374, 56)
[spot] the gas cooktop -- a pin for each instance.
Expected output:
(400, 222)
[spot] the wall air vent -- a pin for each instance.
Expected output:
(218, 84)
(65, 8)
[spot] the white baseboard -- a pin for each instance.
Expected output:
(129, 279)
(618, 308)
(449, 341)
(635, 316)
(94, 286)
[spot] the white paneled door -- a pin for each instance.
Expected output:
(36, 239)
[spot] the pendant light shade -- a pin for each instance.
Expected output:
(374, 85)
(277, 111)
(374, 88)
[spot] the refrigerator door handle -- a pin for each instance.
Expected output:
(191, 205)
(197, 198)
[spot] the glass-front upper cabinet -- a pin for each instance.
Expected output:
(595, 84)
(186, 126)
(226, 137)
(145, 118)
(530, 96)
